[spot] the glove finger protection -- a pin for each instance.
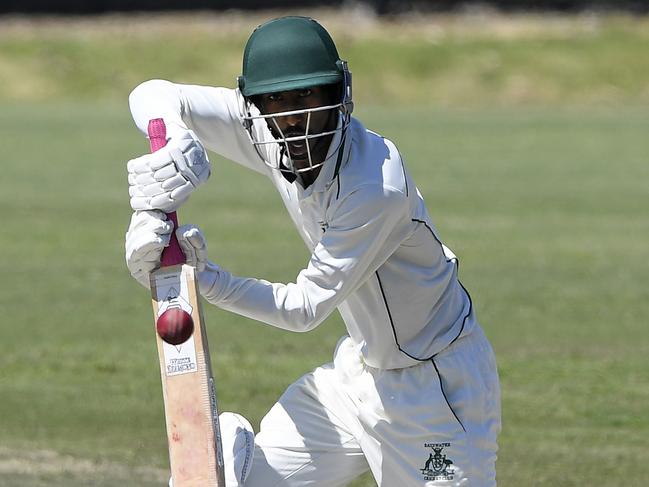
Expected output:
(192, 242)
(155, 221)
(165, 179)
(166, 172)
(168, 200)
(149, 163)
(160, 188)
(148, 234)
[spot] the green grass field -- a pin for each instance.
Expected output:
(545, 203)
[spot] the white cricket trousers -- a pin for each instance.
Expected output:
(433, 424)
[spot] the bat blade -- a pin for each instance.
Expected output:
(191, 412)
(188, 386)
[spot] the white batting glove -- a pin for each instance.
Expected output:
(192, 242)
(147, 235)
(164, 179)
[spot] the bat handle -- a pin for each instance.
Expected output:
(172, 254)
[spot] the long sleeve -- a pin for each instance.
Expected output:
(363, 232)
(211, 112)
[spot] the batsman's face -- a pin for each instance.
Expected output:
(301, 123)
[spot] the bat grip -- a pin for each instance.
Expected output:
(172, 254)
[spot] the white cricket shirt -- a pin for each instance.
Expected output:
(375, 253)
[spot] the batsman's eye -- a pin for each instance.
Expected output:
(305, 92)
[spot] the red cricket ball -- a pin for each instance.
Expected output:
(175, 326)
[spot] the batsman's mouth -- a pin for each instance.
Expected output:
(298, 148)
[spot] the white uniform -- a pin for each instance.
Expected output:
(413, 390)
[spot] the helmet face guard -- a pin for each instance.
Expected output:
(272, 144)
(287, 54)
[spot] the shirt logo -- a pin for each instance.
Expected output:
(437, 467)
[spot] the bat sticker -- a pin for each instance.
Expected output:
(178, 359)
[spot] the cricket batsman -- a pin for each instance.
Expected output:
(412, 393)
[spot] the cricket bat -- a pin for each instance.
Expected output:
(191, 412)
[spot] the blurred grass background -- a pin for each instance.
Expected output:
(443, 60)
(526, 134)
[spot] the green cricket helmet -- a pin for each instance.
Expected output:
(284, 54)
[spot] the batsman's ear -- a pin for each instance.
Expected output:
(241, 83)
